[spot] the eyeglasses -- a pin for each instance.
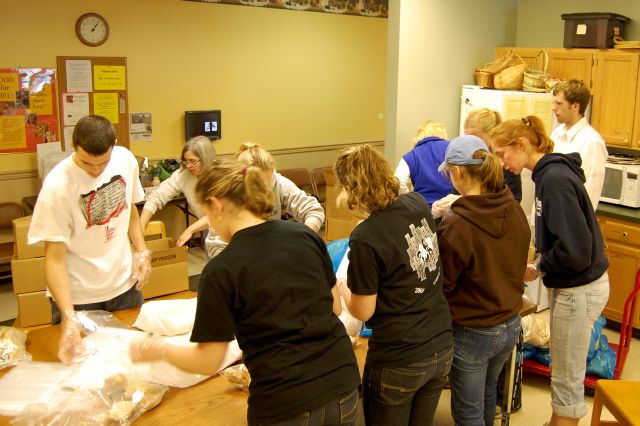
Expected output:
(187, 163)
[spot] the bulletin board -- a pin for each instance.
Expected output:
(28, 108)
(93, 85)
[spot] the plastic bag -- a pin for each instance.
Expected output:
(167, 317)
(596, 332)
(120, 401)
(337, 250)
(442, 207)
(536, 330)
(237, 375)
(12, 347)
(603, 361)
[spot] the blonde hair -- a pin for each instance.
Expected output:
(480, 121)
(430, 128)
(252, 154)
(530, 127)
(367, 177)
(488, 173)
(241, 185)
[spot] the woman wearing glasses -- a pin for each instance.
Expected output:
(197, 154)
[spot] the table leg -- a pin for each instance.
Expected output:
(507, 394)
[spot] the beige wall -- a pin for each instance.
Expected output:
(540, 24)
(434, 46)
(282, 78)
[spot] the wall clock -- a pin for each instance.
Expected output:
(92, 29)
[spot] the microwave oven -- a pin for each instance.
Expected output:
(621, 184)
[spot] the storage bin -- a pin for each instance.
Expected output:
(592, 29)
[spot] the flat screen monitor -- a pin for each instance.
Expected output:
(203, 123)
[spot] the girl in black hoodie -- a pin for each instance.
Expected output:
(572, 261)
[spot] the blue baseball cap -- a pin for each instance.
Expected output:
(460, 151)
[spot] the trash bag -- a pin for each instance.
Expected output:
(603, 361)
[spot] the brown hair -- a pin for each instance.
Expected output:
(575, 91)
(430, 128)
(252, 154)
(367, 177)
(241, 185)
(530, 127)
(94, 134)
(489, 172)
(480, 121)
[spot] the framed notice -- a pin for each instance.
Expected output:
(28, 109)
(94, 85)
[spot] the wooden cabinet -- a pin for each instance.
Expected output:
(615, 82)
(622, 246)
(612, 76)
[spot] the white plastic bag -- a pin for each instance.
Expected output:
(167, 317)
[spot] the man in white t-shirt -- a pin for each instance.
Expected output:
(86, 214)
(575, 134)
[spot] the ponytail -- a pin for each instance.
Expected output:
(489, 172)
(529, 127)
(243, 186)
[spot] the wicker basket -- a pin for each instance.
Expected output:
(511, 77)
(483, 78)
(534, 77)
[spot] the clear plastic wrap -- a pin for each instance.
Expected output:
(119, 401)
(237, 375)
(13, 347)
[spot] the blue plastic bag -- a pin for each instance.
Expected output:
(596, 332)
(337, 249)
(603, 362)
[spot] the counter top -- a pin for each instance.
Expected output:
(618, 212)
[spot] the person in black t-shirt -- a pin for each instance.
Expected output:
(282, 311)
(394, 283)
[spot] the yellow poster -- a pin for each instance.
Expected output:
(42, 101)
(12, 132)
(109, 77)
(9, 85)
(106, 104)
(515, 107)
(542, 109)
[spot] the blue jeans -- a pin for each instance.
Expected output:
(342, 410)
(129, 299)
(479, 355)
(404, 394)
(573, 312)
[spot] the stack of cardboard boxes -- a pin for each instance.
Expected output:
(169, 274)
(340, 219)
(29, 285)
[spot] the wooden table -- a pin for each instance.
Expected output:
(214, 400)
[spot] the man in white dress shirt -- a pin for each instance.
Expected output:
(575, 134)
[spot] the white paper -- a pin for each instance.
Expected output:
(45, 150)
(140, 128)
(74, 107)
(79, 75)
(68, 136)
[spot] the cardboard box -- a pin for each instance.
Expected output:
(169, 269)
(34, 309)
(20, 231)
(339, 228)
(28, 275)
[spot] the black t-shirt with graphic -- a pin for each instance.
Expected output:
(394, 254)
(271, 288)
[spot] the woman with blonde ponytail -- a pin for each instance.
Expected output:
(487, 226)
(282, 312)
(571, 257)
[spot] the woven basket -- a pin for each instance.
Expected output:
(534, 77)
(483, 78)
(511, 77)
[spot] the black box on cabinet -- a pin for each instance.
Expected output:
(595, 30)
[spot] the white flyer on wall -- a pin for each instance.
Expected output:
(74, 107)
(140, 127)
(79, 75)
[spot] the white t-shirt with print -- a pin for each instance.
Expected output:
(91, 217)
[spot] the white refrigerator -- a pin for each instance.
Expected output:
(515, 104)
